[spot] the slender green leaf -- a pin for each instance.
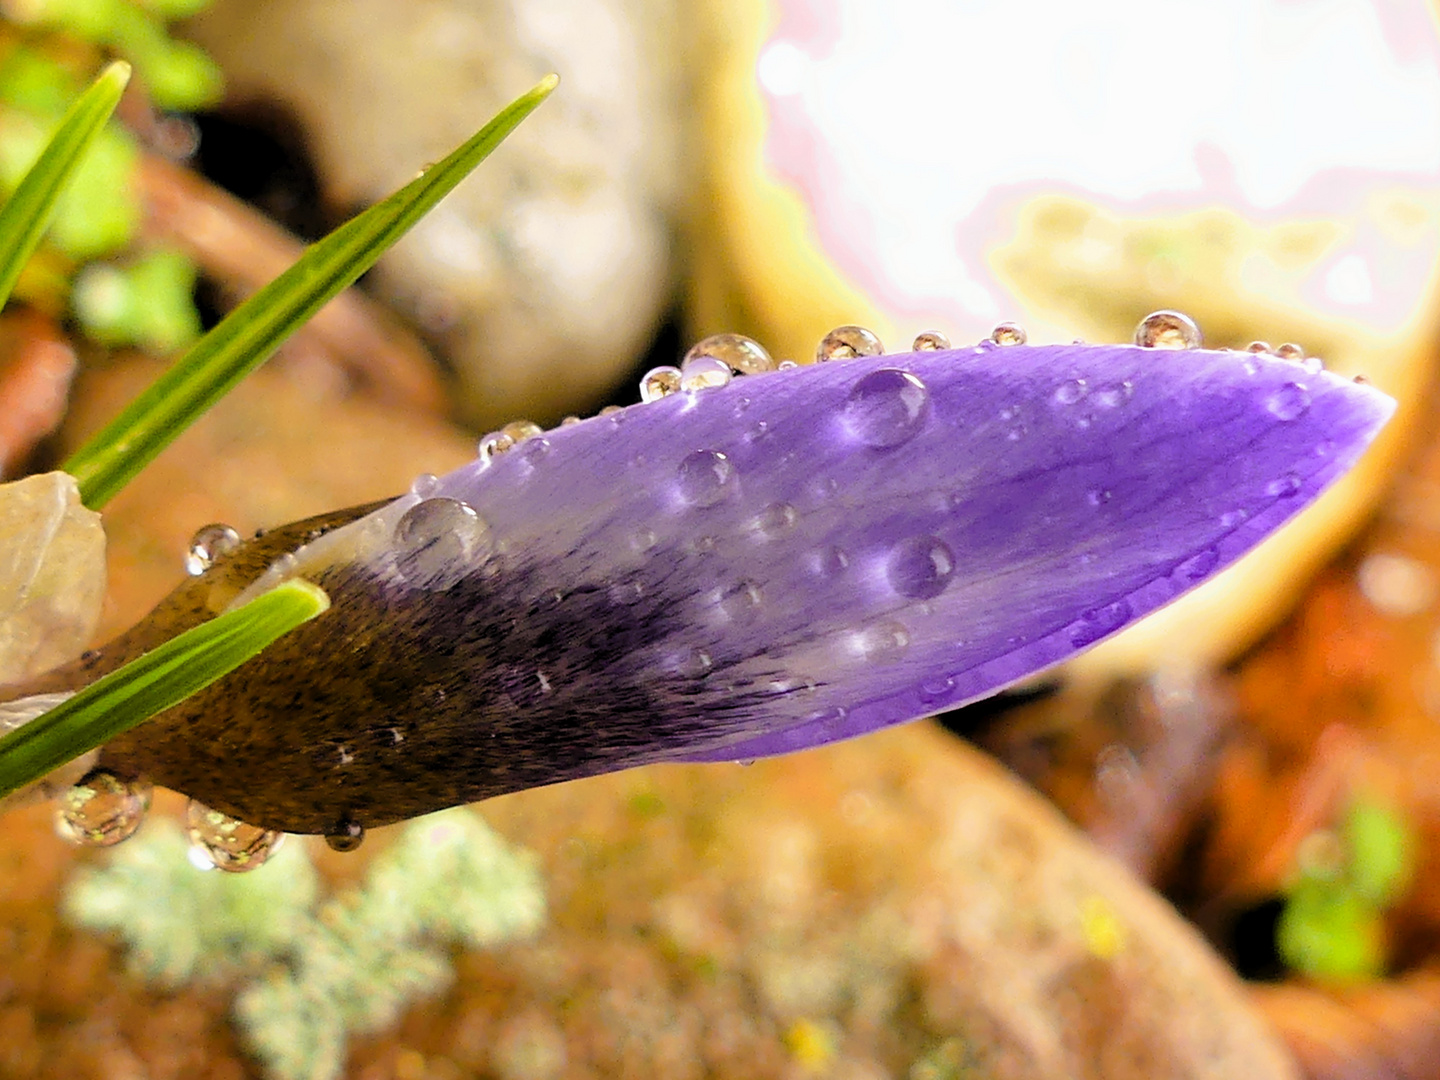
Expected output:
(254, 330)
(26, 215)
(148, 685)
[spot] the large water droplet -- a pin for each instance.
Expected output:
(102, 810)
(348, 837)
(704, 373)
(1098, 623)
(846, 343)
(659, 382)
(742, 354)
(887, 408)
(1289, 402)
(704, 477)
(229, 843)
(207, 545)
(439, 541)
(1009, 333)
(930, 341)
(920, 567)
(1167, 330)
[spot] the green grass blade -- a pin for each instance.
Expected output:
(163, 677)
(24, 218)
(254, 330)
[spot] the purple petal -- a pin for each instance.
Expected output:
(791, 559)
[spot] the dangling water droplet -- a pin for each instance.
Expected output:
(1289, 402)
(704, 477)
(1167, 330)
(1070, 391)
(1198, 566)
(1258, 347)
(884, 640)
(744, 355)
(920, 567)
(425, 485)
(439, 541)
(1284, 487)
(887, 408)
(740, 600)
(1009, 333)
(1098, 623)
(493, 445)
(776, 519)
(930, 341)
(229, 843)
(102, 810)
(703, 373)
(520, 430)
(207, 545)
(347, 838)
(846, 343)
(1290, 351)
(659, 382)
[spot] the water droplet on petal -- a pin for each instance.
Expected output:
(1070, 391)
(625, 593)
(1167, 330)
(1098, 623)
(493, 445)
(1290, 351)
(207, 545)
(884, 640)
(1098, 496)
(703, 373)
(930, 341)
(1009, 333)
(425, 485)
(520, 430)
(786, 365)
(1198, 566)
(569, 421)
(887, 408)
(347, 838)
(229, 843)
(1289, 402)
(659, 382)
(1233, 519)
(846, 343)
(776, 519)
(704, 477)
(1284, 487)
(439, 541)
(831, 561)
(740, 600)
(936, 689)
(920, 567)
(744, 355)
(102, 810)
(693, 664)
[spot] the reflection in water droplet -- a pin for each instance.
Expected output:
(348, 837)
(1070, 391)
(703, 373)
(493, 445)
(704, 477)
(1258, 347)
(1167, 330)
(1009, 333)
(207, 545)
(920, 567)
(659, 382)
(425, 485)
(930, 341)
(440, 541)
(1289, 402)
(520, 430)
(1290, 351)
(887, 408)
(740, 600)
(846, 343)
(1283, 488)
(884, 640)
(230, 844)
(742, 354)
(776, 519)
(102, 810)
(1098, 623)
(1198, 566)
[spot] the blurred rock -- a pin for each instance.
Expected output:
(544, 274)
(52, 574)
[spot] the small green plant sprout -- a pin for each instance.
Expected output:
(46, 49)
(1333, 924)
(308, 970)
